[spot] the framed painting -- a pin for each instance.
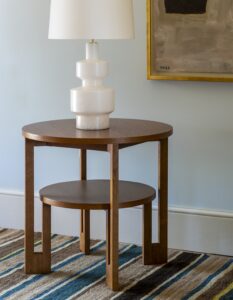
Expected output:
(190, 40)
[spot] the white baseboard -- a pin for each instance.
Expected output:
(189, 229)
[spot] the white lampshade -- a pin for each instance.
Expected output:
(91, 19)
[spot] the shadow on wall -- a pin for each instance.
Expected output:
(185, 6)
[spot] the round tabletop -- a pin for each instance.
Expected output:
(121, 131)
(94, 194)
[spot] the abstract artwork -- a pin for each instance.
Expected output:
(190, 39)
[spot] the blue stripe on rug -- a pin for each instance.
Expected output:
(20, 265)
(66, 243)
(102, 260)
(73, 258)
(38, 277)
(89, 277)
(227, 296)
(208, 279)
(178, 277)
(22, 250)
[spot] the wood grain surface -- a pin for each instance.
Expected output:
(122, 131)
(95, 194)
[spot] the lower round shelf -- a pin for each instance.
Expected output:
(95, 194)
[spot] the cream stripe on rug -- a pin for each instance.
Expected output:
(76, 276)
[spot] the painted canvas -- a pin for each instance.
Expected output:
(190, 39)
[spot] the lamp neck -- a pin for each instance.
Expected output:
(92, 50)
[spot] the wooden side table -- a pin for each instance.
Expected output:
(110, 195)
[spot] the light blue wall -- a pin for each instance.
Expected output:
(36, 75)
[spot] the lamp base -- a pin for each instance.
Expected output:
(92, 102)
(92, 122)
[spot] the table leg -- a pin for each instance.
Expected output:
(84, 214)
(35, 263)
(156, 253)
(107, 239)
(46, 238)
(85, 231)
(112, 222)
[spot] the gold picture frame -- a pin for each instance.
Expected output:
(153, 74)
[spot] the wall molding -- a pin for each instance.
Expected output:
(172, 209)
(189, 229)
(201, 212)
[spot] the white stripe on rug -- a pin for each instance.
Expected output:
(147, 274)
(12, 241)
(80, 274)
(174, 276)
(102, 278)
(58, 248)
(31, 277)
(211, 282)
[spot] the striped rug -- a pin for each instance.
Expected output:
(76, 276)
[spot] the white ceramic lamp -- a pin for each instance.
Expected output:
(92, 20)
